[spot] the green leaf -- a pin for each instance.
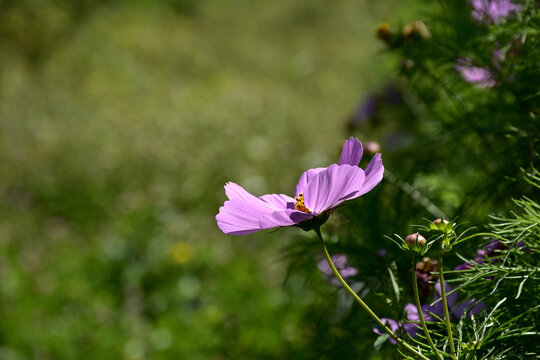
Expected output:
(380, 341)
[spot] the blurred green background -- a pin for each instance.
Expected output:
(120, 124)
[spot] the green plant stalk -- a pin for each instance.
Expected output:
(362, 303)
(445, 305)
(419, 308)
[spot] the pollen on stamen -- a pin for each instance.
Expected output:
(299, 204)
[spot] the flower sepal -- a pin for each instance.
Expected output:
(444, 229)
(315, 222)
(444, 226)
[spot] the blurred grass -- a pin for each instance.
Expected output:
(118, 132)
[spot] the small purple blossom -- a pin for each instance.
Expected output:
(369, 106)
(365, 111)
(479, 76)
(318, 190)
(486, 254)
(342, 265)
(381, 253)
(468, 307)
(497, 57)
(493, 11)
(411, 324)
(393, 325)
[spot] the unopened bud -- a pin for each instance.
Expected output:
(384, 33)
(416, 29)
(412, 239)
(372, 147)
(438, 221)
(442, 225)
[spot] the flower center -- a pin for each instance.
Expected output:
(299, 204)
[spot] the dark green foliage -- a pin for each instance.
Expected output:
(510, 276)
(459, 150)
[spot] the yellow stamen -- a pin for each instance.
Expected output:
(299, 204)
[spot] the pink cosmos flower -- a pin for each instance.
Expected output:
(493, 11)
(318, 190)
(479, 76)
(342, 264)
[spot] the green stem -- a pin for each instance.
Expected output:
(362, 303)
(445, 305)
(419, 308)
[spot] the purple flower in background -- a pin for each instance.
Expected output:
(392, 94)
(468, 307)
(365, 111)
(483, 255)
(479, 76)
(341, 263)
(493, 11)
(317, 191)
(381, 253)
(393, 325)
(411, 325)
(368, 108)
(497, 58)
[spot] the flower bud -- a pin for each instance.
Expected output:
(416, 29)
(438, 221)
(384, 33)
(412, 239)
(442, 225)
(372, 147)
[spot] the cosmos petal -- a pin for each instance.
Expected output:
(351, 153)
(271, 201)
(236, 192)
(236, 230)
(305, 178)
(239, 215)
(332, 186)
(278, 202)
(392, 324)
(468, 307)
(283, 218)
(412, 329)
(412, 312)
(431, 312)
(450, 298)
(374, 174)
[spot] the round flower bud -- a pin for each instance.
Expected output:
(372, 147)
(416, 29)
(438, 221)
(411, 240)
(384, 33)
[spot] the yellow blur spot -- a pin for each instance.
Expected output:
(181, 252)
